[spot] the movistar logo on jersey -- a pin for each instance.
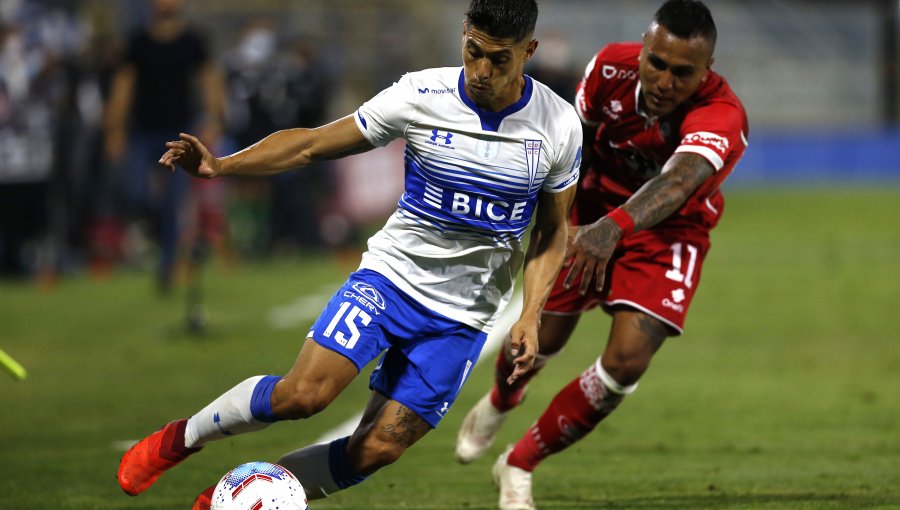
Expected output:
(448, 90)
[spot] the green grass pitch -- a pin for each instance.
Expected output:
(783, 394)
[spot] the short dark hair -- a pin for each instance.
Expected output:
(503, 19)
(686, 19)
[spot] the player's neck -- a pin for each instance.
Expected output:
(513, 94)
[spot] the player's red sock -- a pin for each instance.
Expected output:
(172, 444)
(572, 414)
(506, 396)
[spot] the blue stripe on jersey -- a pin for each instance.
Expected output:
(461, 202)
(490, 121)
(447, 173)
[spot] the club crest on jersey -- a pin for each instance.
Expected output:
(532, 159)
(487, 149)
(613, 109)
(441, 140)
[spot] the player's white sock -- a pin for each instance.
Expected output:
(244, 408)
(322, 469)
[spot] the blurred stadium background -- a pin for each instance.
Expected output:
(819, 80)
(783, 393)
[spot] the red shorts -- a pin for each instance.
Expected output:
(655, 271)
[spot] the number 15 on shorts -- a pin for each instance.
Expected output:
(350, 320)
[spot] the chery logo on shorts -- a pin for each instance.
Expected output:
(368, 296)
(706, 138)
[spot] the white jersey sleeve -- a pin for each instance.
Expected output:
(565, 170)
(386, 116)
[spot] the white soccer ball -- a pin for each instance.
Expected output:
(259, 486)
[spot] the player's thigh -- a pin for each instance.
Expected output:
(555, 331)
(426, 371)
(350, 332)
(658, 272)
(316, 378)
(633, 340)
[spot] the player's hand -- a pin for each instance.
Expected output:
(592, 248)
(523, 346)
(192, 156)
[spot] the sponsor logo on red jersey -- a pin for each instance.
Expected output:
(713, 140)
(609, 72)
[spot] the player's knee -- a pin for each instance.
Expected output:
(298, 401)
(375, 452)
(625, 369)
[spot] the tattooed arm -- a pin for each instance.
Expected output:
(657, 199)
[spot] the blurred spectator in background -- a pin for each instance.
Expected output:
(272, 87)
(554, 66)
(33, 86)
(151, 100)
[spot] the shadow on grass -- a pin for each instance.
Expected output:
(724, 500)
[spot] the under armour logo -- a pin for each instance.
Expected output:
(446, 139)
(217, 420)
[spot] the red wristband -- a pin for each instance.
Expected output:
(623, 220)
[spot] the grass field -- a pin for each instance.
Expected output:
(783, 394)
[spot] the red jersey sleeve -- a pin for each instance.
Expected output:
(587, 92)
(715, 130)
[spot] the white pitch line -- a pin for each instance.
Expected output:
(123, 445)
(491, 345)
(301, 310)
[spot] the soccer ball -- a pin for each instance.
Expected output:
(259, 486)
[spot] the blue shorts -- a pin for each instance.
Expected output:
(427, 356)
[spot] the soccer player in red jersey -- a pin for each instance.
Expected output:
(664, 132)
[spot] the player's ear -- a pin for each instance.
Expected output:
(530, 48)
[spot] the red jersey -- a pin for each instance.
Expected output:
(631, 147)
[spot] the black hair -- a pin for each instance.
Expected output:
(686, 19)
(503, 19)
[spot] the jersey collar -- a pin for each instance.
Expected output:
(490, 121)
(637, 105)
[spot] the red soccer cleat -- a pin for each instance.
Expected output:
(144, 462)
(204, 500)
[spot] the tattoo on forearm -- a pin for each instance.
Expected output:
(664, 194)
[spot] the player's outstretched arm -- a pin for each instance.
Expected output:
(544, 258)
(657, 199)
(278, 152)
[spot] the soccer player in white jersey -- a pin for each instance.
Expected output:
(487, 149)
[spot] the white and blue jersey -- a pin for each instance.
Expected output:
(471, 187)
(429, 286)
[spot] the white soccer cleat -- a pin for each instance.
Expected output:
(514, 485)
(478, 429)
